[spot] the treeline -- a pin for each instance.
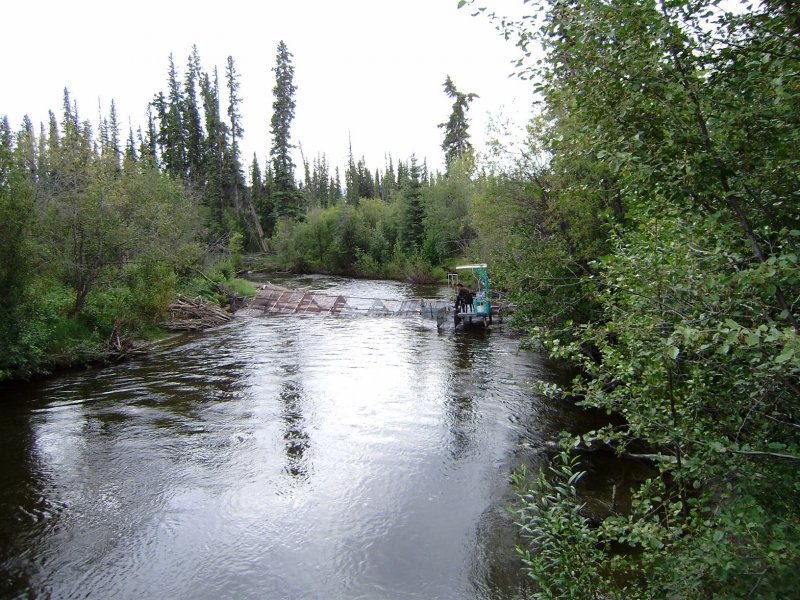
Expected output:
(99, 229)
(649, 235)
(91, 242)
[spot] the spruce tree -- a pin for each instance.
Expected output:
(456, 137)
(214, 147)
(335, 189)
(148, 143)
(351, 178)
(130, 145)
(26, 149)
(413, 210)
(193, 130)
(234, 114)
(366, 187)
(172, 136)
(285, 194)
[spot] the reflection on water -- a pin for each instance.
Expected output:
(279, 457)
(294, 431)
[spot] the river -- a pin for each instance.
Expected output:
(277, 457)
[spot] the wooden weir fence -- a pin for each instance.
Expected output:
(273, 301)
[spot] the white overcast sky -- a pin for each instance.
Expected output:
(370, 69)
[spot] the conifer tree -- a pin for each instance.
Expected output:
(413, 210)
(456, 137)
(130, 146)
(113, 135)
(172, 138)
(389, 183)
(285, 194)
(193, 130)
(234, 113)
(244, 203)
(365, 184)
(26, 149)
(214, 193)
(351, 178)
(335, 189)
(5, 134)
(148, 144)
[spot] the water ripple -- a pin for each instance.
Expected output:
(274, 457)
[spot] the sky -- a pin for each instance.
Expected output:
(368, 71)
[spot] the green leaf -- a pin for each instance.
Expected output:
(718, 447)
(732, 324)
(785, 356)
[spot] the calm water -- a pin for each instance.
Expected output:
(275, 457)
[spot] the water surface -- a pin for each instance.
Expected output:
(276, 457)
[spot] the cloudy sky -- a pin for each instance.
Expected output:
(368, 69)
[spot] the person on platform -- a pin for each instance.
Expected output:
(463, 298)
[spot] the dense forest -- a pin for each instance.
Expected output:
(101, 229)
(647, 233)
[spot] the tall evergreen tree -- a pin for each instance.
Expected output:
(366, 188)
(389, 183)
(114, 135)
(193, 129)
(243, 201)
(412, 226)
(234, 113)
(26, 149)
(215, 141)
(456, 136)
(351, 178)
(335, 189)
(172, 136)
(5, 135)
(148, 143)
(130, 146)
(285, 194)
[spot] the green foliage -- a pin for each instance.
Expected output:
(151, 288)
(241, 287)
(15, 222)
(667, 211)
(78, 226)
(235, 248)
(685, 356)
(446, 221)
(540, 246)
(47, 336)
(359, 241)
(564, 554)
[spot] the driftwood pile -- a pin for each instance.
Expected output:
(187, 314)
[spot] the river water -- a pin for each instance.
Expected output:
(276, 457)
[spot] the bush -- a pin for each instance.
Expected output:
(563, 553)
